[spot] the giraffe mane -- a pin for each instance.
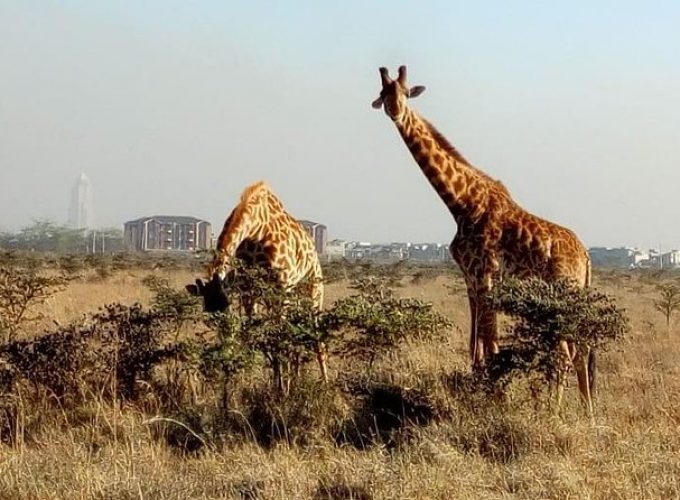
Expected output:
(444, 143)
(253, 189)
(237, 213)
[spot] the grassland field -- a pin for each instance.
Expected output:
(475, 449)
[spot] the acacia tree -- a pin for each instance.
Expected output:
(544, 314)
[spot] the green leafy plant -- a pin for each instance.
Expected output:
(545, 314)
(283, 326)
(375, 321)
(175, 306)
(228, 354)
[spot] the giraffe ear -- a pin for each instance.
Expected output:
(377, 104)
(416, 91)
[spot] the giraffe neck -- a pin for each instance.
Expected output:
(460, 186)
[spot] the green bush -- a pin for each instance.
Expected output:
(203, 369)
(373, 321)
(544, 314)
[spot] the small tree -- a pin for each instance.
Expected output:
(175, 306)
(668, 302)
(544, 315)
(226, 355)
(376, 321)
(20, 291)
(283, 326)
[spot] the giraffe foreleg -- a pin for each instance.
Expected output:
(317, 293)
(483, 322)
(476, 344)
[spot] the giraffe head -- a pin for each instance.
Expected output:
(213, 293)
(394, 93)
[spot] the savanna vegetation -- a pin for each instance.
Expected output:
(115, 384)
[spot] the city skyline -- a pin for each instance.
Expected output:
(333, 237)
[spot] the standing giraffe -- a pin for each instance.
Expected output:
(260, 232)
(495, 235)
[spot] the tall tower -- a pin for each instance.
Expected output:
(81, 209)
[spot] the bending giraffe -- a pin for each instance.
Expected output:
(495, 235)
(260, 232)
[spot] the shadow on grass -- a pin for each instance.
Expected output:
(341, 491)
(383, 411)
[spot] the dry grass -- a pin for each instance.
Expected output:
(476, 449)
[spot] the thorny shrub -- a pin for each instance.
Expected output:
(283, 327)
(119, 344)
(21, 290)
(375, 321)
(287, 331)
(135, 353)
(175, 306)
(544, 314)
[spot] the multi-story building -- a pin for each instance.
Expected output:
(319, 234)
(336, 249)
(670, 260)
(624, 257)
(168, 233)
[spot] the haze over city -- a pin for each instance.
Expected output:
(174, 107)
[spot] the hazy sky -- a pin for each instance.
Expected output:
(173, 107)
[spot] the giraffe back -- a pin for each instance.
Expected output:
(260, 231)
(532, 246)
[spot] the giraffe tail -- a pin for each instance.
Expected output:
(592, 371)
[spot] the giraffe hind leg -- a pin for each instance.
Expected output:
(581, 364)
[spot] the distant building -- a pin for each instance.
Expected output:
(336, 249)
(668, 260)
(319, 234)
(81, 208)
(428, 252)
(396, 251)
(621, 257)
(167, 233)
(358, 249)
(627, 258)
